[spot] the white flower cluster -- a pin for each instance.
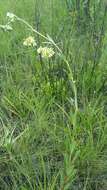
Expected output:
(30, 41)
(6, 27)
(45, 52)
(10, 16)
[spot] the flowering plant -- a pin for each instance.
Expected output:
(45, 52)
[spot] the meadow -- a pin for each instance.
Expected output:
(53, 95)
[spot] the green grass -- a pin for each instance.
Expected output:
(45, 142)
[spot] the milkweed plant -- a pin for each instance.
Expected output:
(46, 52)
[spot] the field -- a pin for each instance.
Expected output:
(53, 95)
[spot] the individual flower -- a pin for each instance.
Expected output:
(10, 16)
(45, 52)
(39, 50)
(30, 41)
(6, 27)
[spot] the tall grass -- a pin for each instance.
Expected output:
(45, 142)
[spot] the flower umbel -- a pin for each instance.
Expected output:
(30, 41)
(45, 52)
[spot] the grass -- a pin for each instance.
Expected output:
(46, 142)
